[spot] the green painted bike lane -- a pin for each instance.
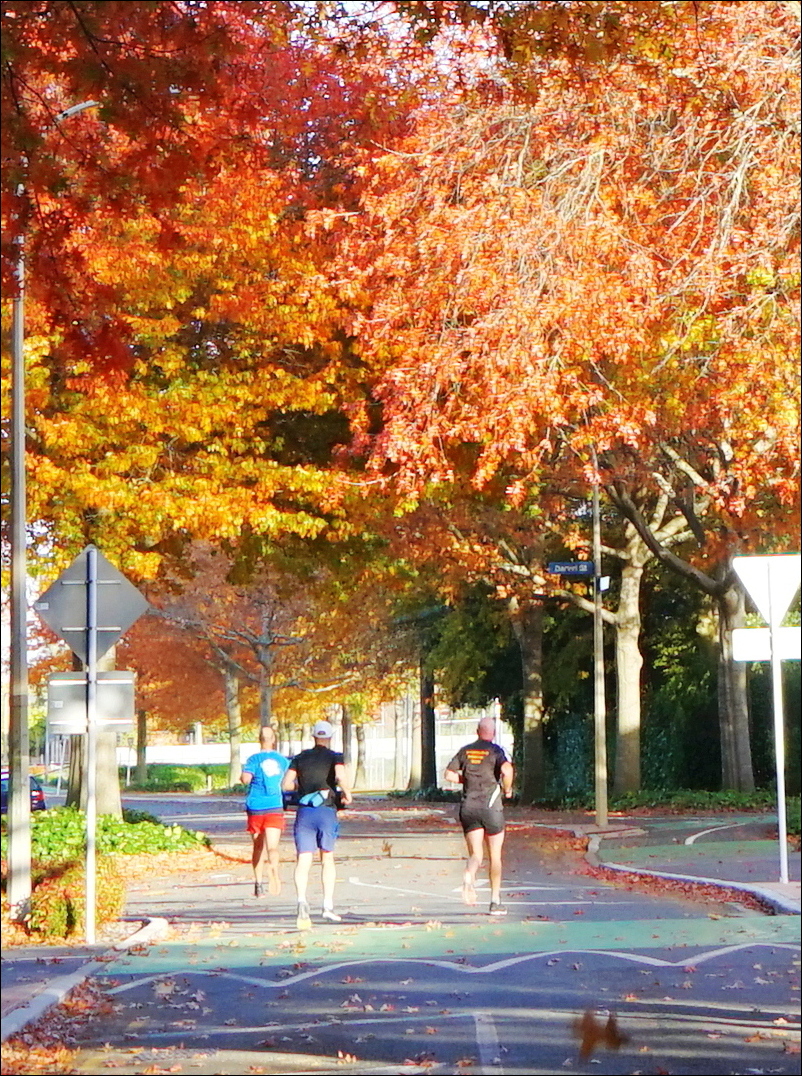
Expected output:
(282, 958)
(442, 998)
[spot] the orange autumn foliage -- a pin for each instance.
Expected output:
(610, 262)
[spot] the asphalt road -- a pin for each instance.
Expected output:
(413, 981)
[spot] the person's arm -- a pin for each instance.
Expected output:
(339, 774)
(247, 774)
(453, 772)
(507, 778)
(290, 781)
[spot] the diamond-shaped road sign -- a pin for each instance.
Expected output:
(771, 582)
(63, 606)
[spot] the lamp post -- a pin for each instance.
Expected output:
(19, 801)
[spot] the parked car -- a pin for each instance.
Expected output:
(37, 794)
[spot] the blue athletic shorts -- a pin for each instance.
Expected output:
(315, 827)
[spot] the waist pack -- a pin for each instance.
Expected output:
(315, 799)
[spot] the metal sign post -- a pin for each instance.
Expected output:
(779, 746)
(771, 582)
(599, 703)
(91, 620)
(91, 742)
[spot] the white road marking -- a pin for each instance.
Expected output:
(458, 900)
(463, 969)
(394, 889)
(487, 1041)
(714, 829)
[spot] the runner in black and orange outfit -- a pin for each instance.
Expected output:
(486, 776)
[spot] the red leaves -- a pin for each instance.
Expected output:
(593, 1033)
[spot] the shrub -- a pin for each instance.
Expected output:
(59, 835)
(165, 777)
(433, 794)
(58, 901)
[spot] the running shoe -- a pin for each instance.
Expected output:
(303, 920)
(331, 915)
(258, 889)
(497, 909)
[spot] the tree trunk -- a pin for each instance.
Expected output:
(347, 726)
(414, 781)
(733, 707)
(527, 623)
(141, 773)
(234, 713)
(428, 730)
(107, 785)
(306, 735)
(265, 693)
(628, 661)
(399, 730)
(360, 778)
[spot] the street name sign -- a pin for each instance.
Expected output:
(571, 567)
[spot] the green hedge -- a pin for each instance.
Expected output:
(166, 777)
(59, 834)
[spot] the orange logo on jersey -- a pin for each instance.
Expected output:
(475, 757)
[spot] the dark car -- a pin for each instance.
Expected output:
(37, 794)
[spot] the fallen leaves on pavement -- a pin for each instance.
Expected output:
(47, 1047)
(593, 1033)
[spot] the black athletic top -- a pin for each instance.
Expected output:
(315, 770)
(480, 765)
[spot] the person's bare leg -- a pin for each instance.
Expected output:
(494, 845)
(328, 872)
(474, 840)
(302, 868)
(258, 856)
(272, 838)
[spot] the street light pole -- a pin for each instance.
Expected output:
(19, 800)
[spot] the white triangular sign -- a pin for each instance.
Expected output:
(771, 582)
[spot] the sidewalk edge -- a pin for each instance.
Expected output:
(57, 989)
(775, 901)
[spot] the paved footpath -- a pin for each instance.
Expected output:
(412, 981)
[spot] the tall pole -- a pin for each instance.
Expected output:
(19, 806)
(91, 742)
(779, 736)
(599, 708)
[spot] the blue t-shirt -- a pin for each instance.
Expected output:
(264, 791)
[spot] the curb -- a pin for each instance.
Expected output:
(779, 904)
(57, 989)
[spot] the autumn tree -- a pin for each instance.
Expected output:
(606, 264)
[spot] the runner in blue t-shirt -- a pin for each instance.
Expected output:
(263, 773)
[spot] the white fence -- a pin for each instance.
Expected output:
(453, 730)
